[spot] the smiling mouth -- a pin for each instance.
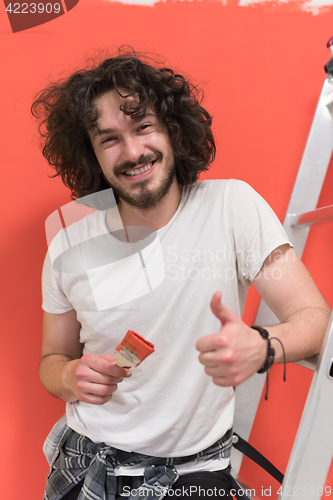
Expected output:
(139, 170)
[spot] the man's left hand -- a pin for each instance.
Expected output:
(234, 353)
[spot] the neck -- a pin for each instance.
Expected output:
(156, 217)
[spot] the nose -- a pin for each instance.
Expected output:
(132, 149)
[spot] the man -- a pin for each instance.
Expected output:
(165, 426)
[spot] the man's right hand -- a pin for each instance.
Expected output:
(94, 377)
(69, 375)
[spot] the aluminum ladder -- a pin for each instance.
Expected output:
(315, 430)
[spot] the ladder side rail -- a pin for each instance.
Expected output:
(311, 455)
(316, 157)
(313, 168)
(304, 198)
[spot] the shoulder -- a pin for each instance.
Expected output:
(208, 188)
(216, 185)
(88, 226)
(228, 190)
(73, 233)
(63, 244)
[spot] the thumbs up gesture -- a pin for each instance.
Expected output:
(234, 353)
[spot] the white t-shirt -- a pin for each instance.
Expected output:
(216, 241)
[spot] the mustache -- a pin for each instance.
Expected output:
(146, 158)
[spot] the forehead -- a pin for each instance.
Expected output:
(110, 106)
(111, 103)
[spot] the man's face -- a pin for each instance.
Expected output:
(135, 155)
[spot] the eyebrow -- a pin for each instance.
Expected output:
(98, 131)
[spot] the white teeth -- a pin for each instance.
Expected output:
(138, 171)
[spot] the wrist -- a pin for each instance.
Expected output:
(270, 353)
(69, 380)
(268, 360)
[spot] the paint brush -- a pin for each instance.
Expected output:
(132, 350)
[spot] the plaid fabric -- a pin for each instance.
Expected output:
(80, 458)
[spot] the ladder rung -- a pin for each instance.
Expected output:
(313, 218)
(329, 102)
(310, 363)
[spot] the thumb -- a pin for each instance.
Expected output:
(108, 357)
(224, 314)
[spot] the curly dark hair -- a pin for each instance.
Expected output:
(65, 111)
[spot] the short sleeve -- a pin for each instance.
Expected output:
(256, 230)
(54, 298)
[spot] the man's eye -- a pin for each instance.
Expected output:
(108, 139)
(144, 126)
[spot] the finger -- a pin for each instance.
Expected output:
(219, 310)
(96, 389)
(117, 371)
(222, 381)
(122, 371)
(104, 363)
(229, 380)
(97, 363)
(208, 359)
(85, 373)
(94, 399)
(225, 356)
(108, 357)
(220, 371)
(212, 342)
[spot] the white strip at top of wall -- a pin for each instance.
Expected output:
(313, 6)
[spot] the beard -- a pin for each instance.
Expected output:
(148, 198)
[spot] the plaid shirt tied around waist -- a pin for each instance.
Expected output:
(80, 458)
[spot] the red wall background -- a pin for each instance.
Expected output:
(262, 71)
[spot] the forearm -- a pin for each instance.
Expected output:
(301, 335)
(56, 372)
